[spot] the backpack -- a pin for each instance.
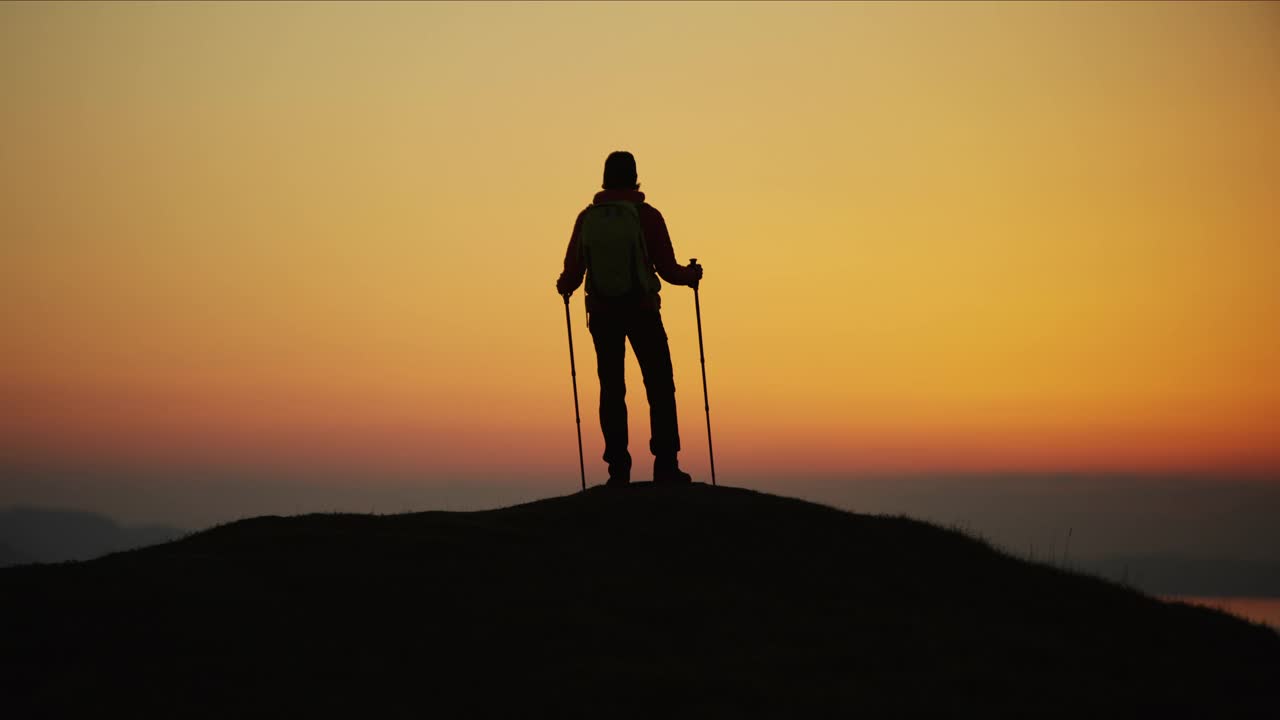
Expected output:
(613, 247)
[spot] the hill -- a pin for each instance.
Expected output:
(686, 601)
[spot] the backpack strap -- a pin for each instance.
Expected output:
(582, 250)
(642, 267)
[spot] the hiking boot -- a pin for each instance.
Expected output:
(619, 478)
(669, 473)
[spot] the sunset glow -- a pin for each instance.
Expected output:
(944, 237)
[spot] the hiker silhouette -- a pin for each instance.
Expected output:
(621, 244)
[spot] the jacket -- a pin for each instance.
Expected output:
(656, 239)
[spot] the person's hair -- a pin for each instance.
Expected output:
(620, 171)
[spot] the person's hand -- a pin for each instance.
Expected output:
(696, 269)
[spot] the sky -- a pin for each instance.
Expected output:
(316, 244)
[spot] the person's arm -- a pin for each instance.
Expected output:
(661, 252)
(574, 268)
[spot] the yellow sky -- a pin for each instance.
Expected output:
(943, 236)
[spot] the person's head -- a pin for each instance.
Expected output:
(620, 171)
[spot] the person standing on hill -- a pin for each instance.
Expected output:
(621, 243)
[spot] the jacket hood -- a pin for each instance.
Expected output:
(618, 195)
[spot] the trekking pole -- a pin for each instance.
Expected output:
(573, 373)
(702, 357)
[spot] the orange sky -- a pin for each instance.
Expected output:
(937, 237)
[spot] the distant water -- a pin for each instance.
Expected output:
(1258, 609)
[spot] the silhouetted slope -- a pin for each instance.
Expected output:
(699, 601)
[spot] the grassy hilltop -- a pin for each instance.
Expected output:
(689, 601)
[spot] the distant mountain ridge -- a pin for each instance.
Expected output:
(47, 535)
(1175, 574)
(9, 556)
(645, 601)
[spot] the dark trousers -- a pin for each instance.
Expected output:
(612, 324)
